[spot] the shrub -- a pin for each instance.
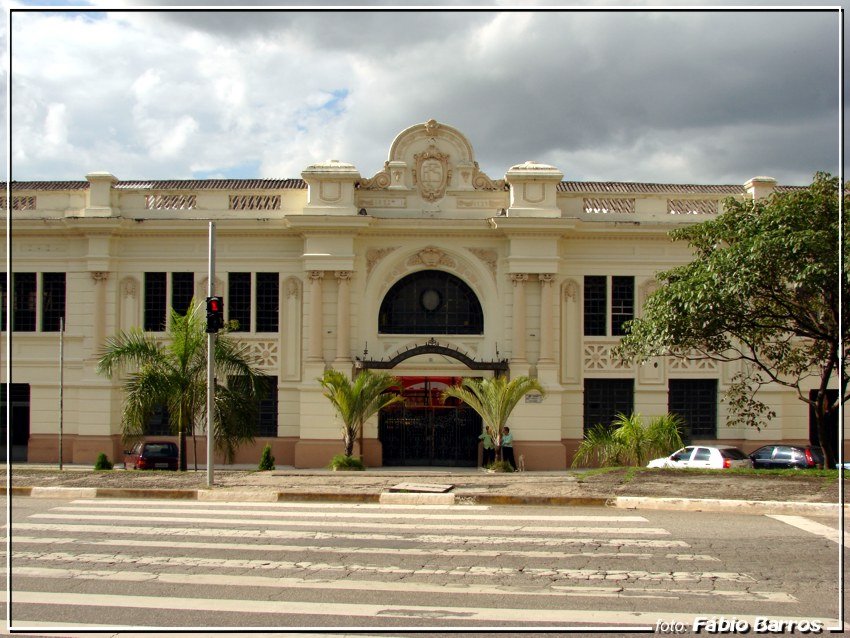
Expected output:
(500, 466)
(102, 463)
(266, 460)
(343, 462)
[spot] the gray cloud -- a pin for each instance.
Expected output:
(654, 96)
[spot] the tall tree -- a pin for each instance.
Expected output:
(762, 289)
(494, 400)
(356, 401)
(172, 371)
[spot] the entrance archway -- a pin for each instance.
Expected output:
(424, 430)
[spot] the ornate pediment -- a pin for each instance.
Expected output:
(431, 173)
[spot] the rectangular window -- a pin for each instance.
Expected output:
(23, 309)
(3, 309)
(268, 301)
(182, 291)
(239, 300)
(52, 300)
(595, 303)
(622, 303)
(604, 399)
(155, 300)
(695, 400)
(267, 419)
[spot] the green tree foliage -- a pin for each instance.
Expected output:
(172, 371)
(494, 400)
(356, 401)
(762, 289)
(629, 441)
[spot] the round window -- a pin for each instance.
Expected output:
(430, 300)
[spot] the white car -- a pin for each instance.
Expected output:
(704, 456)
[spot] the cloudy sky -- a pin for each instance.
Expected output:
(659, 96)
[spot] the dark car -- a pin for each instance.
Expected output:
(780, 456)
(151, 455)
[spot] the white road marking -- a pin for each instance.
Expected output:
(553, 617)
(287, 505)
(354, 524)
(414, 551)
(264, 513)
(224, 580)
(473, 570)
(819, 529)
(217, 532)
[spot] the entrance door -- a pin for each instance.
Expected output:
(424, 430)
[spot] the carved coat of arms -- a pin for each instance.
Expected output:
(431, 173)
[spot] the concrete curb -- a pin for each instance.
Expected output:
(726, 506)
(405, 498)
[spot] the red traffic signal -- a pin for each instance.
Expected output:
(215, 314)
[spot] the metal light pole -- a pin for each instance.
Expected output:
(210, 361)
(61, 382)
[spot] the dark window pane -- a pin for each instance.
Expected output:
(267, 419)
(695, 400)
(239, 300)
(268, 301)
(3, 300)
(604, 399)
(182, 291)
(52, 300)
(595, 302)
(622, 303)
(23, 311)
(155, 301)
(158, 425)
(431, 302)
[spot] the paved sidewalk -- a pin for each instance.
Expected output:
(426, 485)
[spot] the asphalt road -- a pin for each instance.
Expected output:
(170, 564)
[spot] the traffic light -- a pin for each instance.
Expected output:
(215, 314)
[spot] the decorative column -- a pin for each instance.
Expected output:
(571, 337)
(99, 279)
(316, 324)
(519, 346)
(343, 315)
(546, 314)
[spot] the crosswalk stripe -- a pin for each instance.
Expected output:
(474, 570)
(414, 551)
(226, 580)
(556, 618)
(819, 529)
(217, 532)
(310, 523)
(290, 505)
(265, 513)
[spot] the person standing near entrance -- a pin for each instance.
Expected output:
(488, 452)
(508, 447)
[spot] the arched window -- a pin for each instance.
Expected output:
(431, 302)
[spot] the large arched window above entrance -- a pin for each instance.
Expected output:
(431, 302)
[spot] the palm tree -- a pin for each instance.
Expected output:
(172, 371)
(494, 400)
(628, 441)
(356, 401)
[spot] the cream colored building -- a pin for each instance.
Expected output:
(429, 269)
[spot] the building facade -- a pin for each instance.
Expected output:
(430, 269)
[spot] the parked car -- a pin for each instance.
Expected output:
(781, 456)
(704, 456)
(152, 455)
